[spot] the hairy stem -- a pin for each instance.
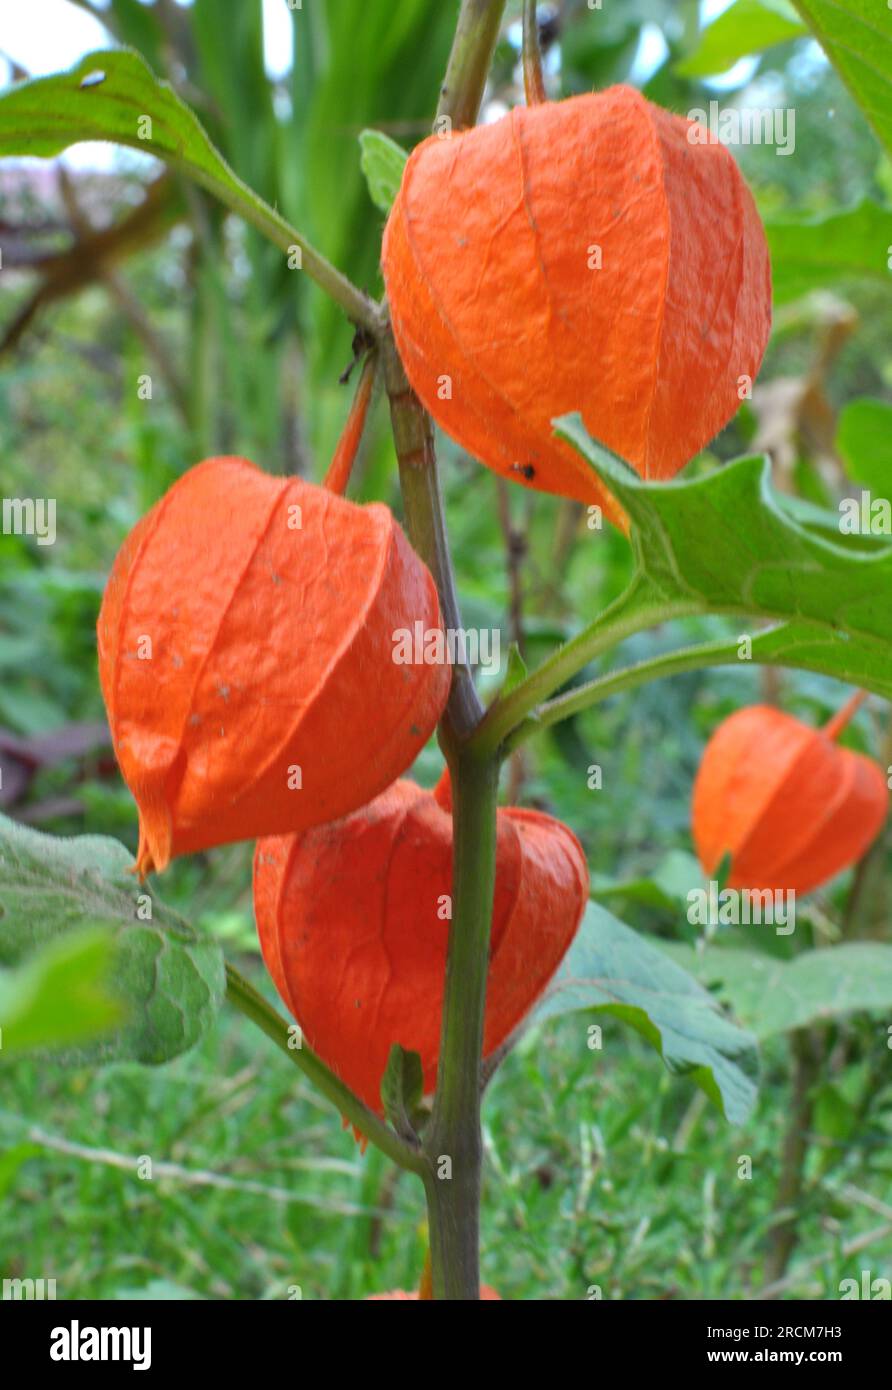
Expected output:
(358, 306)
(253, 1005)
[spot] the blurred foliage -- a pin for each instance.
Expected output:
(601, 1169)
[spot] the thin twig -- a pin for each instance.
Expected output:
(193, 1177)
(533, 81)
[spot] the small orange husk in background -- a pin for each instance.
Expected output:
(790, 806)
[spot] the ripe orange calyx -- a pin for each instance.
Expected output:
(580, 255)
(245, 647)
(354, 927)
(791, 807)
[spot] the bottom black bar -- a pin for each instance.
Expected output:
(87, 1339)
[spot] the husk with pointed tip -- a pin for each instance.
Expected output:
(502, 325)
(353, 930)
(791, 807)
(236, 646)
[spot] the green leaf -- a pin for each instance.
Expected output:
(723, 543)
(666, 888)
(382, 161)
(773, 996)
(819, 253)
(111, 95)
(168, 977)
(748, 26)
(59, 996)
(611, 969)
(856, 35)
(402, 1086)
(863, 439)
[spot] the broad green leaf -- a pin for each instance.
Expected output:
(748, 26)
(774, 996)
(824, 523)
(611, 969)
(822, 252)
(723, 543)
(864, 439)
(167, 976)
(113, 95)
(382, 161)
(59, 996)
(402, 1086)
(856, 35)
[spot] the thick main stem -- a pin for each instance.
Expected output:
(413, 438)
(453, 1142)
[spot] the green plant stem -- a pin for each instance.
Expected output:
(453, 1141)
(718, 653)
(634, 611)
(253, 1005)
(413, 438)
(476, 33)
(453, 1145)
(360, 308)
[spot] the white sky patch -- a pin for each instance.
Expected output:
(738, 76)
(48, 36)
(278, 37)
(711, 9)
(650, 55)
